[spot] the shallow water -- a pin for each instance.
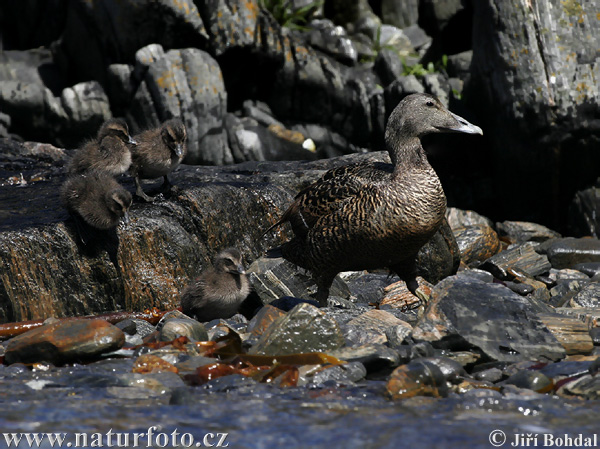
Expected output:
(106, 396)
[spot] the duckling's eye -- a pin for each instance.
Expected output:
(429, 103)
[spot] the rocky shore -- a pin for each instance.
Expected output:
(503, 341)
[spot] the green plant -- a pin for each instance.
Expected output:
(420, 70)
(288, 16)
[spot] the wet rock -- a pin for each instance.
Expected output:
(489, 375)
(595, 335)
(304, 329)
(396, 335)
(566, 253)
(64, 342)
(522, 231)
(488, 317)
(463, 218)
(476, 243)
(374, 357)
(520, 256)
(263, 319)
(366, 287)
(372, 327)
(273, 278)
(475, 273)
(566, 274)
(572, 333)
(143, 328)
(175, 328)
(150, 363)
(417, 379)
(531, 380)
(521, 289)
(451, 369)
(585, 387)
(564, 369)
(590, 268)
(127, 326)
(349, 372)
(440, 257)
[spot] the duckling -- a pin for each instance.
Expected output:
(96, 198)
(219, 291)
(158, 153)
(108, 152)
(374, 215)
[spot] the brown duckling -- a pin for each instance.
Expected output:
(96, 198)
(158, 153)
(109, 152)
(374, 215)
(219, 291)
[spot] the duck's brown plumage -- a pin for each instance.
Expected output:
(374, 215)
(108, 152)
(97, 198)
(219, 291)
(158, 152)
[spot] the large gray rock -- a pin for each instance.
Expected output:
(465, 312)
(535, 69)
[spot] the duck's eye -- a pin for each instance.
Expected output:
(430, 103)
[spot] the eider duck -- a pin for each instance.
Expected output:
(96, 198)
(109, 152)
(374, 215)
(158, 152)
(219, 291)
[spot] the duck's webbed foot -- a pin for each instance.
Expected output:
(166, 185)
(323, 286)
(140, 192)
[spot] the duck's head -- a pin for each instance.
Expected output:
(118, 128)
(230, 261)
(420, 114)
(118, 202)
(174, 135)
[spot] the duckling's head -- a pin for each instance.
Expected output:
(420, 114)
(230, 261)
(118, 202)
(174, 135)
(118, 128)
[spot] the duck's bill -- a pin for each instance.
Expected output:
(179, 150)
(464, 126)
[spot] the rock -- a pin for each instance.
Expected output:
(417, 36)
(595, 335)
(588, 296)
(349, 372)
(263, 319)
(522, 231)
(416, 379)
(440, 256)
(537, 107)
(396, 335)
(531, 380)
(563, 369)
(374, 357)
(375, 323)
(389, 66)
(476, 243)
(64, 342)
(566, 253)
(400, 14)
(566, 274)
(521, 257)
(273, 278)
(398, 296)
(149, 363)
(127, 326)
(465, 312)
(451, 369)
(589, 268)
(585, 387)
(304, 329)
(366, 287)
(436, 84)
(459, 65)
(331, 39)
(400, 88)
(174, 328)
(458, 218)
(490, 375)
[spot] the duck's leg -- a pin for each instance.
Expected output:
(166, 185)
(140, 192)
(323, 286)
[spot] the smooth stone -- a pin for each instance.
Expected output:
(193, 362)
(595, 334)
(143, 327)
(566, 273)
(127, 326)
(417, 379)
(532, 380)
(589, 268)
(374, 322)
(476, 274)
(522, 256)
(303, 329)
(451, 369)
(263, 319)
(176, 327)
(367, 287)
(568, 252)
(489, 375)
(476, 243)
(374, 357)
(565, 368)
(490, 317)
(64, 342)
(586, 387)
(521, 289)
(396, 335)
(524, 231)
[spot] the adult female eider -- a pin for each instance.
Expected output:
(374, 215)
